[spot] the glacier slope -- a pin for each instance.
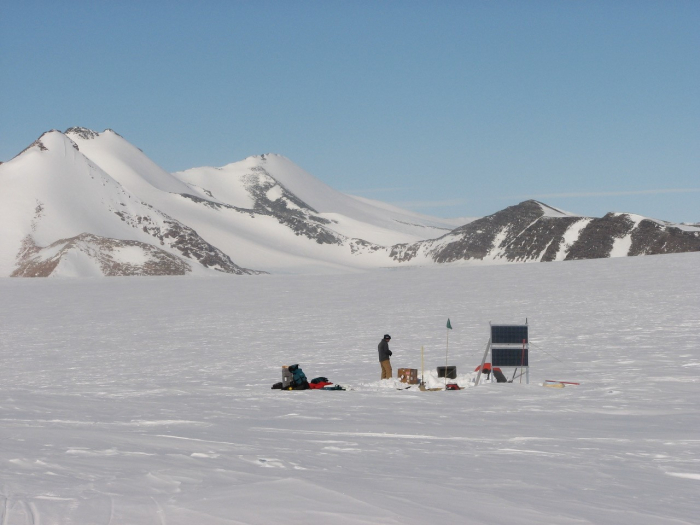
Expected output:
(264, 212)
(53, 194)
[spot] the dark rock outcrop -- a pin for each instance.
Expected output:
(287, 209)
(527, 232)
(186, 241)
(596, 239)
(651, 238)
(35, 261)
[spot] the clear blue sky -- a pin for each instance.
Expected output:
(447, 108)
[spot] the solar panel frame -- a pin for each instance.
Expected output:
(511, 357)
(509, 334)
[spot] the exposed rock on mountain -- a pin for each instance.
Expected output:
(653, 238)
(57, 207)
(88, 254)
(88, 203)
(83, 133)
(532, 231)
(272, 199)
(185, 240)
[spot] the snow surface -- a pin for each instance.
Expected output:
(685, 227)
(550, 211)
(128, 164)
(147, 400)
(131, 255)
(449, 223)
(77, 263)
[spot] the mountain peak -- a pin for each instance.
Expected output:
(43, 142)
(264, 212)
(263, 157)
(83, 133)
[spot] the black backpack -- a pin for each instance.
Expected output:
(299, 381)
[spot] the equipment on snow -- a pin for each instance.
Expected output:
(319, 382)
(448, 372)
(293, 378)
(500, 378)
(408, 375)
(299, 381)
(286, 377)
(488, 370)
(509, 347)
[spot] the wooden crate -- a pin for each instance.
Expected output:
(408, 375)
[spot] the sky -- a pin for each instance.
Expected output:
(446, 108)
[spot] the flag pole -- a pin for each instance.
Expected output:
(447, 347)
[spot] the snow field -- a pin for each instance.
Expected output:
(147, 400)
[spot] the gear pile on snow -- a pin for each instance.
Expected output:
(294, 378)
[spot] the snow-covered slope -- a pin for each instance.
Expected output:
(70, 197)
(126, 163)
(52, 194)
(246, 211)
(349, 216)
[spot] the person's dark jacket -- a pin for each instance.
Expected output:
(384, 352)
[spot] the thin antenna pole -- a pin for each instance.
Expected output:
(447, 349)
(422, 367)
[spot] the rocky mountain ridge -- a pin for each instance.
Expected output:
(529, 232)
(86, 203)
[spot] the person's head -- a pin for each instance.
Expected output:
(387, 337)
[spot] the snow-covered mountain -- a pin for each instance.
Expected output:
(62, 214)
(68, 191)
(83, 203)
(535, 232)
(264, 212)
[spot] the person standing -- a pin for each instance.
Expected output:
(384, 355)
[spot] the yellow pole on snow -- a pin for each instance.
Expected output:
(422, 366)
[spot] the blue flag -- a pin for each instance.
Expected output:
(448, 324)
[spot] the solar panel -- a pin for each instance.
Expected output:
(508, 334)
(509, 357)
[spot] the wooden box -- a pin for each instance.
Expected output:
(408, 375)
